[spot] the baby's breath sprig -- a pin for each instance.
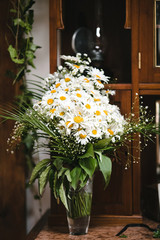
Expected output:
(16, 137)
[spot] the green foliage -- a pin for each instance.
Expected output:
(62, 194)
(43, 179)
(156, 234)
(75, 175)
(105, 166)
(123, 236)
(22, 53)
(89, 165)
(39, 169)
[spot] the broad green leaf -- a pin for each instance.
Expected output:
(61, 172)
(44, 179)
(51, 178)
(83, 178)
(105, 166)
(89, 152)
(38, 168)
(62, 195)
(89, 165)
(57, 163)
(101, 144)
(75, 175)
(68, 175)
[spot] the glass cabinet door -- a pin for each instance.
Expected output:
(149, 41)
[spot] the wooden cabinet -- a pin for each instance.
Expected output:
(148, 29)
(127, 33)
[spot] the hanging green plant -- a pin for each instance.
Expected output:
(22, 53)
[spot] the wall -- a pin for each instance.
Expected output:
(35, 208)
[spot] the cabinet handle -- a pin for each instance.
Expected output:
(139, 60)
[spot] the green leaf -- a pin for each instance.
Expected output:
(38, 168)
(19, 74)
(61, 172)
(13, 10)
(83, 178)
(75, 175)
(14, 56)
(89, 152)
(89, 165)
(123, 236)
(62, 195)
(55, 185)
(18, 21)
(28, 6)
(105, 166)
(68, 175)
(44, 179)
(57, 163)
(101, 144)
(51, 178)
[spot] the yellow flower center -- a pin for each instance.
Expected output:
(94, 132)
(82, 136)
(110, 131)
(78, 89)
(79, 95)
(76, 66)
(107, 91)
(67, 123)
(52, 110)
(88, 106)
(98, 76)
(97, 113)
(53, 91)
(105, 112)
(78, 119)
(67, 79)
(63, 98)
(96, 99)
(69, 107)
(86, 80)
(57, 85)
(67, 89)
(99, 81)
(71, 125)
(50, 101)
(61, 113)
(92, 92)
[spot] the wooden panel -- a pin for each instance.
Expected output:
(119, 86)
(148, 72)
(149, 86)
(135, 90)
(12, 172)
(128, 15)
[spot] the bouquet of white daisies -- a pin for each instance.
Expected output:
(73, 112)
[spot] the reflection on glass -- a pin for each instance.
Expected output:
(157, 33)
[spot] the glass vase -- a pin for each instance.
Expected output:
(79, 209)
